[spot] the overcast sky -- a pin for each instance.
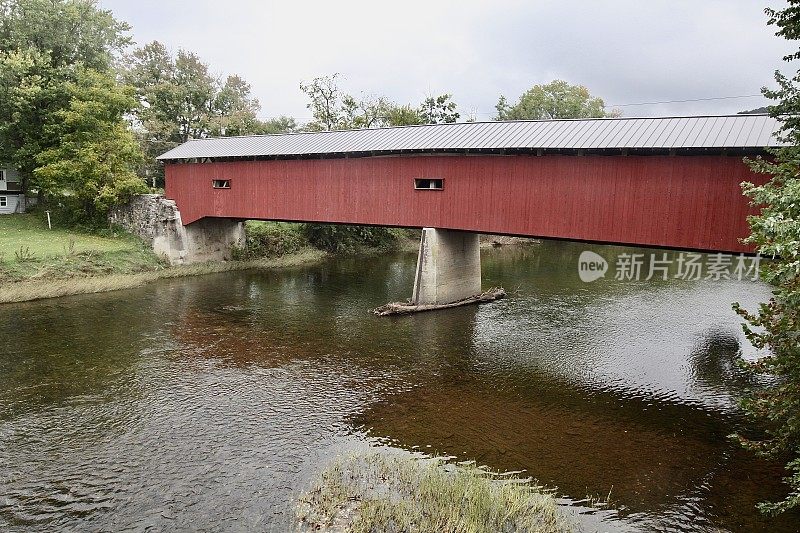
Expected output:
(623, 51)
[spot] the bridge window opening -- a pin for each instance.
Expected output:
(435, 184)
(221, 184)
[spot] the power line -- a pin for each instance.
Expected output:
(687, 100)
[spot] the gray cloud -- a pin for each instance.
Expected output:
(625, 51)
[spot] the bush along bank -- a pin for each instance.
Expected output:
(273, 239)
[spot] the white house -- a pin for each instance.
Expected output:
(12, 199)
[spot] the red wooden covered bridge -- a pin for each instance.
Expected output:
(665, 182)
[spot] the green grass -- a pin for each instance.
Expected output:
(394, 493)
(29, 231)
(29, 251)
(36, 262)
(36, 289)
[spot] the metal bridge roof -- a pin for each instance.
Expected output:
(711, 133)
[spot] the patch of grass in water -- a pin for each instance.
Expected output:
(399, 493)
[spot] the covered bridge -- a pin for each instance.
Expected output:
(670, 182)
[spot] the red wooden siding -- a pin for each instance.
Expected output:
(686, 202)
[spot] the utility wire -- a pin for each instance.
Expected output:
(687, 100)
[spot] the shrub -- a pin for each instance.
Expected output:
(349, 238)
(270, 239)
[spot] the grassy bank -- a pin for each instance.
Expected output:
(30, 251)
(36, 289)
(37, 262)
(380, 492)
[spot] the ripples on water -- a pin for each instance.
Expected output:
(208, 403)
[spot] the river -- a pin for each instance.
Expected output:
(208, 403)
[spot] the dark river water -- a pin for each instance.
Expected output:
(206, 404)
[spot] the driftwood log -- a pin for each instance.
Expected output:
(404, 308)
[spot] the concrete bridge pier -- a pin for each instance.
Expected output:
(158, 221)
(211, 239)
(448, 267)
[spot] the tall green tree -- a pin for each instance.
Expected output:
(557, 99)
(181, 100)
(43, 45)
(93, 163)
(71, 32)
(775, 327)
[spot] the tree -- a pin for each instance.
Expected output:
(43, 44)
(325, 102)
(438, 110)
(71, 32)
(403, 115)
(93, 163)
(775, 328)
(334, 109)
(757, 111)
(280, 124)
(557, 99)
(235, 109)
(180, 100)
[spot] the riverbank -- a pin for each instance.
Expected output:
(30, 251)
(37, 262)
(37, 289)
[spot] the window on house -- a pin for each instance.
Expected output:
(221, 184)
(3, 201)
(434, 184)
(2, 175)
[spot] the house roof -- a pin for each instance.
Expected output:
(697, 133)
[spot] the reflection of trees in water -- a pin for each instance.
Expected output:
(77, 347)
(714, 361)
(271, 318)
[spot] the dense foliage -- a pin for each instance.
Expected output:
(181, 100)
(775, 329)
(557, 99)
(348, 238)
(96, 152)
(270, 239)
(61, 110)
